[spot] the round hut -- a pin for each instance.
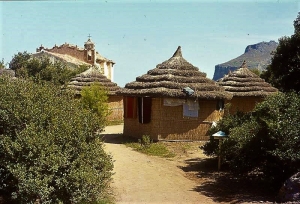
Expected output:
(174, 101)
(246, 87)
(91, 76)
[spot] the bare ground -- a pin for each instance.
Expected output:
(190, 177)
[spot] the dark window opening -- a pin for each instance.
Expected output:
(144, 109)
(220, 105)
(89, 57)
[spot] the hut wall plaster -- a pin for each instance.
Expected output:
(243, 104)
(115, 104)
(168, 123)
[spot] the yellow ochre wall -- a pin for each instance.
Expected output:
(115, 104)
(168, 123)
(243, 104)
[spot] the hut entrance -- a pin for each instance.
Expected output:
(130, 107)
(144, 109)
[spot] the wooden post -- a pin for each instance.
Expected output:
(219, 136)
(219, 162)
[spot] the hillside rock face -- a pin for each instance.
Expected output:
(256, 56)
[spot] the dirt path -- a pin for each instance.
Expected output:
(140, 178)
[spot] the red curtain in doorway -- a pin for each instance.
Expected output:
(130, 107)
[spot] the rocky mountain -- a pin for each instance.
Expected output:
(256, 56)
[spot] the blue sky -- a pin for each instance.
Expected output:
(138, 35)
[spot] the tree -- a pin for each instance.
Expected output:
(43, 69)
(256, 71)
(2, 64)
(266, 140)
(19, 61)
(95, 98)
(297, 24)
(284, 69)
(49, 147)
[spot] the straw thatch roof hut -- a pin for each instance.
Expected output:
(91, 76)
(246, 87)
(174, 101)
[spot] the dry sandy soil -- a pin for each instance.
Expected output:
(190, 177)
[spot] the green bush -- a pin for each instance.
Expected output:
(147, 146)
(226, 125)
(145, 141)
(95, 98)
(266, 140)
(49, 149)
(284, 70)
(42, 69)
(2, 64)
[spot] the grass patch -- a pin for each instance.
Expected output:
(146, 146)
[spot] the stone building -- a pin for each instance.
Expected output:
(100, 71)
(74, 56)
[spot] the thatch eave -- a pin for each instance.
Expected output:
(250, 89)
(237, 79)
(261, 94)
(172, 85)
(173, 78)
(174, 93)
(244, 84)
(176, 72)
(90, 77)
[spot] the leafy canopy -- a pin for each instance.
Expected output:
(266, 140)
(49, 147)
(95, 98)
(2, 64)
(284, 70)
(43, 69)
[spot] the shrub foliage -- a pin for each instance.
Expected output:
(266, 140)
(49, 149)
(284, 69)
(43, 69)
(95, 98)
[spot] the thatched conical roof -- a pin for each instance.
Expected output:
(89, 77)
(169, 79)
(243, 82)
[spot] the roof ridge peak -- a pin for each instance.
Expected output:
(244, 65)
(178, 52)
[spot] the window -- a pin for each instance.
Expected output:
(144, 109)
(191, 109)
(220, 105)
(89, 55)
(130, 107)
